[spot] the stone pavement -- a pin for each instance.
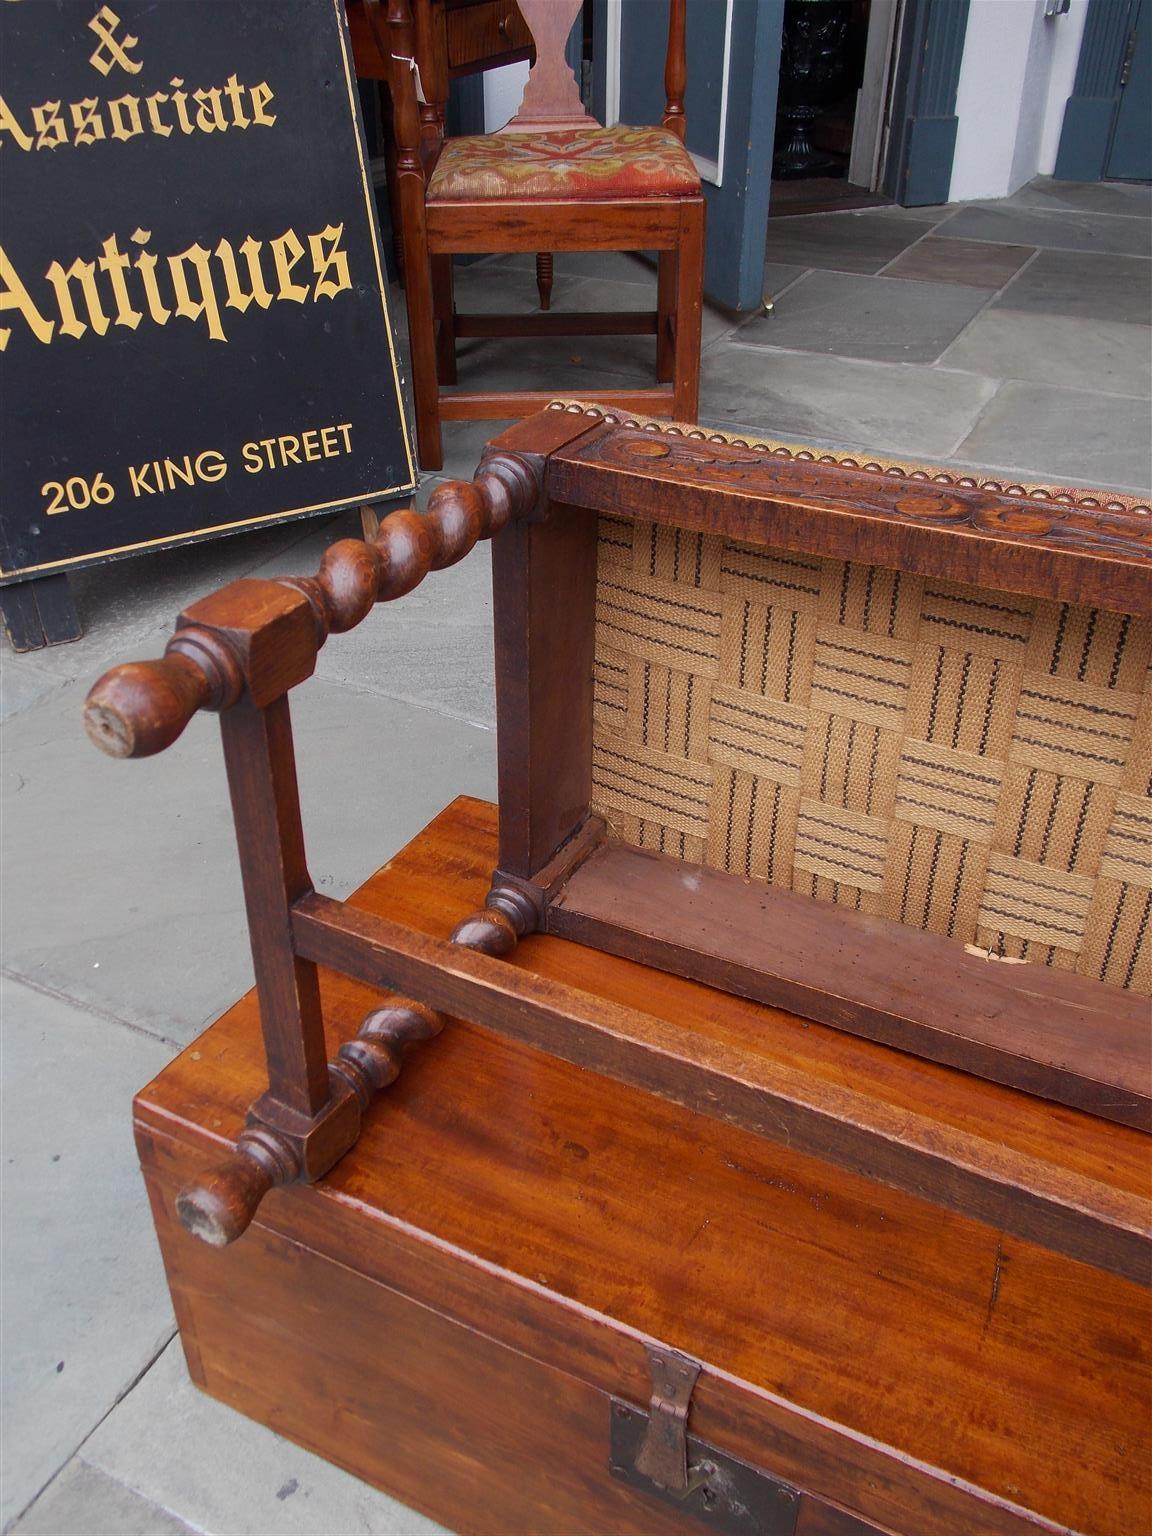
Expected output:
(1014, 336)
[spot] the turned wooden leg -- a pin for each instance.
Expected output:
(665, 316)
(544, 278)
(689, 312)
(422, 350)
(445, 310)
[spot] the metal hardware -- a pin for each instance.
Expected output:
(1056, 8)
(664, 1455)
(1129, 55)
(651, 1449)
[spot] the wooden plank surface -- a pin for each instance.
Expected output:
(543, 684)
(865, 1335)
(1052, 1033)
(1071, 553)
(277, 1329)
(738, 1084)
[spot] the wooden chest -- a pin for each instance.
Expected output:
(521, 1263)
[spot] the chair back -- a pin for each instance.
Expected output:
(552, 96)
(551, 99)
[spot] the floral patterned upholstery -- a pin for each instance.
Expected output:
(579, 163)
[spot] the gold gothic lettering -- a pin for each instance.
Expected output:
(206, 109)
(196, 284)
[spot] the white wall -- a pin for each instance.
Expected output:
(503, 89)
(1015, 79)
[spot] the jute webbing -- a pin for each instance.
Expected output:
(966, 761)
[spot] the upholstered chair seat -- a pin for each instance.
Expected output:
(579, 163)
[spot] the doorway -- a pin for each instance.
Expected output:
(836, 66)
(1130, 145)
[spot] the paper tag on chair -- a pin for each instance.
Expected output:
(420, 96)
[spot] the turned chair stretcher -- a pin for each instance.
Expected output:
(552, 492)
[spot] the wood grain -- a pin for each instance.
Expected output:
(1076, 554)
(737, 1085)
(544, 684)
(917, 1367)
(1053, 1033)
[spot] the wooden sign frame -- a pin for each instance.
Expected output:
(219, 353)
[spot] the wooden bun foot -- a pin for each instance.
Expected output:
(507, 915)
(219, 1205)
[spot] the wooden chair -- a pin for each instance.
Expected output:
(551, 180)
(864, 741)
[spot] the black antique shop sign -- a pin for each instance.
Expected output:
(193, 328)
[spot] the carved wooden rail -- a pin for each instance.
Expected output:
(239, 652)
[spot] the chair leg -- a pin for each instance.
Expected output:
(444, 305)
(689, 312)
(665, 316)
(422, 347)
(544, 278)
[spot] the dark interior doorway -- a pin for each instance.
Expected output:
(835, 66)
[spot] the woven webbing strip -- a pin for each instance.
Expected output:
(970, 762)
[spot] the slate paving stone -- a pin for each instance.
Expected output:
(972, 263)
(84, 1502)
(779, 276)
(433, 647)
(1072, 434)
(229, 1476)
(1129, 198)
(85, 1304)
(597, 293)
(26, 679)
(577, 366)
(1083, 354)
(489, 288)
(838, 402)
(123, 602)
(129, 893)
(928, 213)
(464, 442)
(880, 318)
(842, 242)
(624, 282)
(1080, 285)
(1056, 230)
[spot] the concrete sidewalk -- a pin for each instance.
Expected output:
(1014, 336)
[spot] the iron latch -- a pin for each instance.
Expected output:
(651, 1449)
(663, 1456)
